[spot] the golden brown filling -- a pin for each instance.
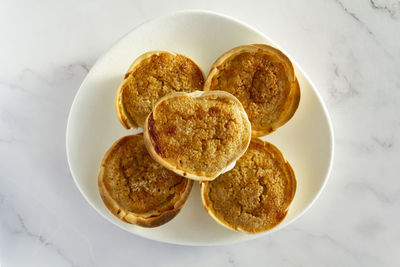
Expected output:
(255, 194)
(259, 81)
(155, 77)
(138, 183)
(200, 135)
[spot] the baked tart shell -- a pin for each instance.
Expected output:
(152, 218)
(121, 109)
(152, 143)
(247, 226)
(293, 98)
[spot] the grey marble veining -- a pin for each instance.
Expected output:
(351, 51)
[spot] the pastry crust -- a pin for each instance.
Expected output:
(255, 195)
(263, 79)
(197, 135)
(136, 189)
(150, 77)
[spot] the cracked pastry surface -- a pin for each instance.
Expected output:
(255, 195)
(150, 77)
(197, 136)
(263, 79)
(136, 188)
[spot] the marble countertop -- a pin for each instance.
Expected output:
(351, 51)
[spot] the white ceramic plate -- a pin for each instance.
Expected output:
(306, 140)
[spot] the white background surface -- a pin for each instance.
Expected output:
(351, 51)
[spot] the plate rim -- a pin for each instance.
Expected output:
(227, 17)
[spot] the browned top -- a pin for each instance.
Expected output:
(200, 135)
(254, 196)
(260, 81)
(136, 182)
(155, 77)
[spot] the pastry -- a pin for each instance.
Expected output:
(255, 195)
(263, 79)
(197, 135)
(138, 190)
(150, 77)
